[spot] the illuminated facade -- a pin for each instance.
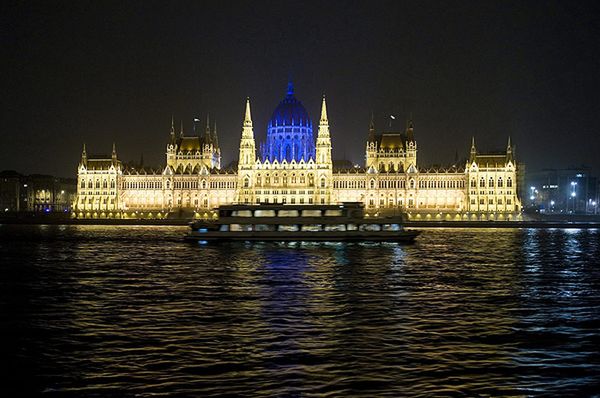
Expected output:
(291, 167)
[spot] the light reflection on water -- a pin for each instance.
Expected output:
(94, 310)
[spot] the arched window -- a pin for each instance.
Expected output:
(203, 184)
(499, 182)
(473, 183)
(509, 182)
(82, 183)
(246, 182)
(372, 184)
(412, 184)
(491, 183)
(104, 184)
(90, 185)
(322, 182)
(97, 183)
(482, 182)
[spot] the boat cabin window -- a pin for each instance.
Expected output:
(242, 213)
(288, 213)
(240, 227)
(333, 213)
(311, 213)
(224, 228)
(391, 227)
(288, 228)
(351, 227)
(312, 227)
(264, 227)
(335, 227)
(264, 213)
(370, 227)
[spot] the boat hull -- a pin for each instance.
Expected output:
(329, 236)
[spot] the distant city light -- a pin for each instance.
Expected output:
(573, 183)
(532, 197)
(551, 203)
(573, 194)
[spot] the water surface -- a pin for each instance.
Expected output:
(135, 311)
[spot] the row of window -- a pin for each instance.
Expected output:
(491, 182)
(441, 184)
(97, 185)
(284, 192)
(491, 201)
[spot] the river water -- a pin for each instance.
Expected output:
(135, 311)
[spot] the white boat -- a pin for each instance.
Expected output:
(279, 222)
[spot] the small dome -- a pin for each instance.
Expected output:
(290, 112)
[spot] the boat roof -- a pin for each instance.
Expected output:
(281, 206)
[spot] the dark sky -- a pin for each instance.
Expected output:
(98, 72)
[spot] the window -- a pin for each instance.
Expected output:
(246, 182)
(482, 182)
(491, 183)
(372, 184)
(509, 183)
(322, 182)
(481, 201)
(500, 182)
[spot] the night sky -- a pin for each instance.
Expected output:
(97, 73)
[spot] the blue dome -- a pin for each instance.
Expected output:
(289, 132)
(290, 112)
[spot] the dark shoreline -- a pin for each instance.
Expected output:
(408, 224)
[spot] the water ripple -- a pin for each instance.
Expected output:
(135, 311)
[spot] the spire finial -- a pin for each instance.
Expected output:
(248, 115)
(208, 122)
(290, 88)
(181, 128)
(509, 147)
(172, 124)
(324, 119)
(114, 151)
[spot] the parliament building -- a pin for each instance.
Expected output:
(292, 167)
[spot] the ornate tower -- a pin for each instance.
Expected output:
(411, 147)
(323, 154)
(247, 158)
(371, 151)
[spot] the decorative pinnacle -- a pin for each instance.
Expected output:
(324, 111)
(290, 88)
(248, 115)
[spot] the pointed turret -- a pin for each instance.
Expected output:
(473, 153)
(509, 151)
(290, 88)
(248, 115)
(181, 129)
(215, 137)
(324, 120)
(207, 137)
(372, 129)
(83, 155)
(172, 132)
(114, 152)
(410, 136)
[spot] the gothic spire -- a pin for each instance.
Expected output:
(290, 88)
(324, 119)
(473, 149)
(215, 137)
(181, 129)
(372, 128)
(248, 115)
(114, 151)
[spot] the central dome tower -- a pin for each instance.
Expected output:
(289, 132)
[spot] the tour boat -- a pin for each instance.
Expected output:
(282, 222)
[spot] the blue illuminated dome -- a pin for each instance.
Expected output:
(289, 132)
